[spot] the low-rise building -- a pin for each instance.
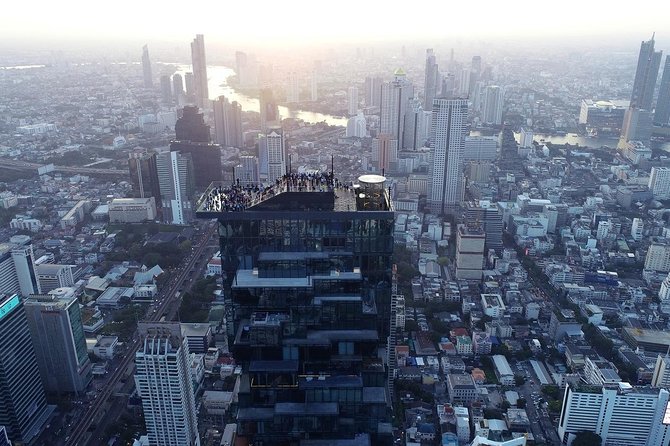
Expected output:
(461, 388)
(105, 346)
(503, 370)
(132, 210)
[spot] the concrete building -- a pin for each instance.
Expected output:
(293, 90)
(480, 148)
(470, 241)
(461, 388)
(23, 405)
(352, 97)
(621, 415)
(177, 186)
(17, 267)
(132, 210)
(228, 123)
(394, 98)
(658, 257)
(431, 80)
(526, 138)
(247, 172)
(493, 105)
(603, 116)
(144, 175)
(384, 152)
(51, 276)
(503, 370)
(199, 61)
(57, 334)
(164, 384)
(659, 182)
(637, 229)
(146, 68)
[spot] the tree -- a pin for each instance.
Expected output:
(519, 380)
(587, 438)
(521, 403)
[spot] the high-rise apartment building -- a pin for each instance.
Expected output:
(352, 100)
(470, 241)
(58, 337)
(176, 180)
(166, 89)
(447, 142)
(416, 126)
(431, 80)
(394, 98)
(658, 257)
(309, 308)
(384, 152)
(274, 154)
(143, 174)
(146, 68)
(526, 138)
(662, 112)
(163, 382)
(199, 61)
(620, 414)
(227, 123)
(493, 105)
(373, 91)
(659, 182)
(23, 405)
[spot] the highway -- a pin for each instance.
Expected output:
(80, 435)
(25, 165)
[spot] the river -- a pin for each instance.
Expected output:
(217, 81)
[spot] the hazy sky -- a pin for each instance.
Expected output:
(303, 21)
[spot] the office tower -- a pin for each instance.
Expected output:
(395, 95)
(525, 138)
(189, 83)
(662, 113)
(60, 345)
(637, 126)
(447, 142)
(430, 80)
(164, 384)
(491, 220)
(272, 154)
(385, 152)
(356, 126)
(314, 86)
(620, 414)
(23, 405)
(246, 172)
(166, 89)
(293, 91)
(373, 91)
(227, 122)
(480, 148)
(414, 133)
(477, 96)
(309, 309)
(143, 174)
(17, 268)
(464, 82)
(493, 105)
(268, 110)
(51, 276)
(352, 100)
(146, 68)
(176, 180)
(177, 87)
(191, 126)
(659, 182)
(199, 71)
(470, 242)
(648, 63)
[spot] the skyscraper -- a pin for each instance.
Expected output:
(662, 114)
(199, 61)
(191, 126)
(164, 384)
(415, 131)
(246, 172)
(193, 137)
(293, 91)
(648, 63)
(275, 154)
(166, 89)
(60, 345)
(177, 87)
(385, 152)
(493, 105)
(447, 142)
(352, 100)
(23, 405)
(227, 122)
(146, 68)
(395, 95)
(17, 269)
(309, 309)
(373, 91)
(143, 174)
(176, 180)
(268, 109)
(430, 83)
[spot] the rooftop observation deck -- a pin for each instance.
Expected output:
(316, 191)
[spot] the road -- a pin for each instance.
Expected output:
(25, 165)
(80, 435)
(540, 423)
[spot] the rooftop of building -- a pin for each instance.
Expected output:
(317, 191)
(458, 380)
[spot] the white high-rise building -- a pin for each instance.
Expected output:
(664, 291)
(464, 84)
(293, 92)
(415, 132)
(637, 228)
(493, 105)
(658, 257)
(659, 182)
(447, 142)
(604, 228)
(353, 100)
(274, 154)
(394, 98)
(526, 138)
(177, 185)
(620, 414)
(165, 386)
(661, 376)
(356, 126)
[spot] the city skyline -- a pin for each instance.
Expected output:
(526, 19)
